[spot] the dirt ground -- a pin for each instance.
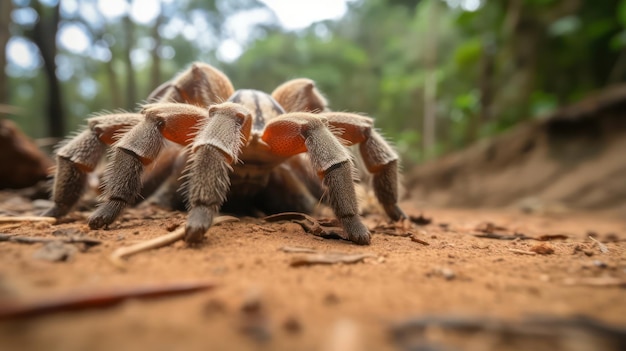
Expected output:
(260, 301)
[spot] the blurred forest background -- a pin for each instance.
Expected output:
(437, 75)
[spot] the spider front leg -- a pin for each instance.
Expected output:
(304, 132)
(215, 148)
(80, 156)
(139, 147)
(379, 158)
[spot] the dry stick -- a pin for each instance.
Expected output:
(523, 252)
(164, 240)
(601, 246)
(297, 249)
(597, 281)
(9, 219)
(96, 299)
(414, 238)
(390, 233)
(330, 258)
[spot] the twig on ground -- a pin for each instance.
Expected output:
(516, 236)
(17, 219)
(164, 240)
(414, 238)
(390, 233)
(324, 229)
(603, 282)
(297, 249)
(96, 299)
(523, 252)
(550, 237)
(313, 256)
(601, 246)
(328, 258)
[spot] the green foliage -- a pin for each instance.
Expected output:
(494, 67)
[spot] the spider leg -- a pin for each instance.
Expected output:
(200, 85)
(216, 146)
(80, 155)
(303, 132)
(139, 147)
(379, 158)
(300, 95)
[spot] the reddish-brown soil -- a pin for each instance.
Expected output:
(261, 302)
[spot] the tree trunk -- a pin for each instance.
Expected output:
(5, 20)
(430, 86)
(155, 74)
(44, 36)
(131, 84)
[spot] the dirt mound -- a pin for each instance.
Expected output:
(23, 163)
(573, 158)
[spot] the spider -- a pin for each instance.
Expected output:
(245, 148)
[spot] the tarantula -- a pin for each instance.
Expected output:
(245, 147)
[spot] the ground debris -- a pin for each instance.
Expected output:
(328, 229)
(450, 332)
(399, 228)
(55, 251)
(164, 240)
(328, 258)
(444, 272)
(297, 249)
(550, 237)
(542, 249)
(492, 231)
(489, 230)
(34, 240)
(414, 238)
(311, 256)
(420, 220)
(254, 321)
(603, 282)
(96, 298)
(292, 325)
(516, 236)
(523, 252)
(19, 219)
(601, 246)
(489, 227)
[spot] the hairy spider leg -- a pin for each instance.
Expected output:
(295, 133)
(80, 156)
(379, 158)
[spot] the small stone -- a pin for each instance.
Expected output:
(543, 249)
(599, 264)
(331, 299)
(292, 325)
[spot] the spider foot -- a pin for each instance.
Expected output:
(56, 211)
(357, 232)
(198, 222)
(106, 214)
